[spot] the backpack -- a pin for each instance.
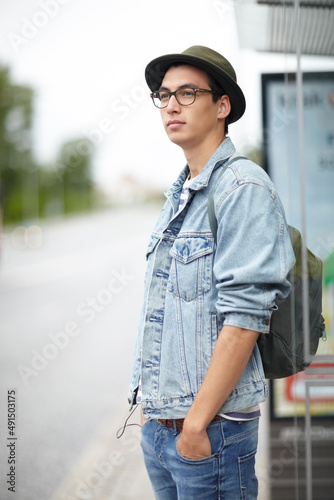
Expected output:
(282, 349)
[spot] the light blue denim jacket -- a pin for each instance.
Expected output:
(193, 286)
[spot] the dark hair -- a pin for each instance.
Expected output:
(214, 86)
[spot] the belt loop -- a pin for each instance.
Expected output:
(175, 427)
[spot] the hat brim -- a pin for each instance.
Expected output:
(156, 70)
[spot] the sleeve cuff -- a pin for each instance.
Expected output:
(249, 321)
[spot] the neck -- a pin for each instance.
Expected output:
(198, 156)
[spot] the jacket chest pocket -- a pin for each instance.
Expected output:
(191, 268)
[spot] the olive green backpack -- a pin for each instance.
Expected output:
(282, 350)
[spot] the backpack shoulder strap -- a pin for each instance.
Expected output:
(211, 205)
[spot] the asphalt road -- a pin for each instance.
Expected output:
(70, 295)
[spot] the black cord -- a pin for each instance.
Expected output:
(121, 430)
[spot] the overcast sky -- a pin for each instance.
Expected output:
(86, 60)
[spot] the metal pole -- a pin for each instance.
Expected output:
(306, 326)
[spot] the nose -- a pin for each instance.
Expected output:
(173, 105)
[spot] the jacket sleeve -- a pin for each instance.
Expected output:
(253, 254)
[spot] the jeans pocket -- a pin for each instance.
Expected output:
(247, 478)
(201, 460)
(216, 441)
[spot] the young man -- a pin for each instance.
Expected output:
(197, 365)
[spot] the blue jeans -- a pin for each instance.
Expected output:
(227, 474)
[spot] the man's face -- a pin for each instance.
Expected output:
(189, 126)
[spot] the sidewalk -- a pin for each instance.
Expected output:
(113, 469)
(110, 469)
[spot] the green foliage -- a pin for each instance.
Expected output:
(27, 190)
(15, 144)
(69, 182)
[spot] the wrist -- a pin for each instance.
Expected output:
(194, 425)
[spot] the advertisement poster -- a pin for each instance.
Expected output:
(283, 156)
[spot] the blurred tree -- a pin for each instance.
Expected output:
(17, 168)
(255, 154)
(74, 172)
(28, 191)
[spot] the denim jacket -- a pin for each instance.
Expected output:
(194, 286)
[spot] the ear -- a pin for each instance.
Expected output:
(224, 107)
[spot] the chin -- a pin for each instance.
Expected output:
(176, 139)
(176, 142)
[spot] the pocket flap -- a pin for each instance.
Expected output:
(190, 248)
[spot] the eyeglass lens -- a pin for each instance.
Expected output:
(183, 96)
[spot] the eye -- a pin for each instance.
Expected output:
(163, 96)
(186, 92)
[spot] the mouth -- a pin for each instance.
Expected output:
(174, 124)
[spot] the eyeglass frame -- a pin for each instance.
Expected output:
(195, 89)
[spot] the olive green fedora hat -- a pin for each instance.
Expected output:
(208, 60)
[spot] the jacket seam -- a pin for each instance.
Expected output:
(240, 184)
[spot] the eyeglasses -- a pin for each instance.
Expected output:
(184, 96)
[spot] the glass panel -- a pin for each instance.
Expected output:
(299, 156)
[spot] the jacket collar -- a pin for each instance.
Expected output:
(223, 152)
